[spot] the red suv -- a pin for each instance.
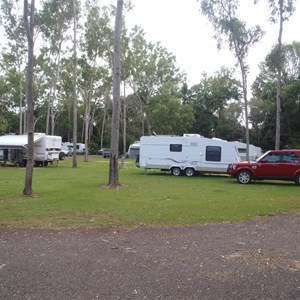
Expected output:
(274, 164)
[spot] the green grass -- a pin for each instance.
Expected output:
(67, 197)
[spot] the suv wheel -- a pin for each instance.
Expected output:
(61, 156)
(297, 179)
(244, 177)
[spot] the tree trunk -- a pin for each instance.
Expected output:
(246, 114)
(20, 101)
(114, 143)
(278, 82)
(124, 126)
(87, 123)
(74, 161)
(103, 122)
(29, 26)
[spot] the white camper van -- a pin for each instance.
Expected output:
(80, 148)
(254, 151)
(186, 154)
(46, 148)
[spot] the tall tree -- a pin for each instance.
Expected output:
(114, 143)
(74, 156)
(54, 21)
(97, 47)
(29, 26)
(151, 66)
(263, 106)
(281, 10)
(233, 31)
(16, 39)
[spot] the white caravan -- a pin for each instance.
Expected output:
(254, 151)
(46, 148)
(188, 154)
(134, 150)
(80, 148)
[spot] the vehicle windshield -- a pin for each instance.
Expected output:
(263, 155)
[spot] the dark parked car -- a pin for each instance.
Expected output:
(105, 152)
(274, 164)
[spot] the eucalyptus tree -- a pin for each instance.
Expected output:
(280, 11)
(114, 142)
(11, 16)
(54, 22)
(74, 81)
(230, 30)
(151, 66)
(29, 12)
(264, 93)
(97, 47)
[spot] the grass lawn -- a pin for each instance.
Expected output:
(67, 197)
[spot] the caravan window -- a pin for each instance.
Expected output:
(242, 150)
(175, 147)
(213, 153)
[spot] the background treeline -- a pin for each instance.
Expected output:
(155, 96)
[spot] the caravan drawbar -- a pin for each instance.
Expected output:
(188, 154)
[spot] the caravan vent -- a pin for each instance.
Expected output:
(192, 135)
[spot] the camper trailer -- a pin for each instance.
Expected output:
(46, 148)
(189, 154)
(134, 150)
(254, 151)
(80, 148)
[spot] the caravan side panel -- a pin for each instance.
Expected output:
(201, 154)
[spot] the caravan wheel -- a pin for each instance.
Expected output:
(189, 172)
(176, 171)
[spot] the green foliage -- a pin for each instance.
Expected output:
(167, 113)
(264, 91)
(67, 197)
(151, 66)
(216, 100)
(228, 28)
(287, 7)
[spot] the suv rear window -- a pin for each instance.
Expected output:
(290, 157)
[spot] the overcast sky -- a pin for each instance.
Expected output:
(180, 27)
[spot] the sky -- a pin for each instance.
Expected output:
(183, 31)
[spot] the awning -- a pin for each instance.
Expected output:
(16, 141)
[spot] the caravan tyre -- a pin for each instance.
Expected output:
(189, 172)
(176, 171)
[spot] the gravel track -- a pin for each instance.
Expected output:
(257, 259)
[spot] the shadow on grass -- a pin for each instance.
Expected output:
(265, 183)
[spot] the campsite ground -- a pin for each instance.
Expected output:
(257, 259)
